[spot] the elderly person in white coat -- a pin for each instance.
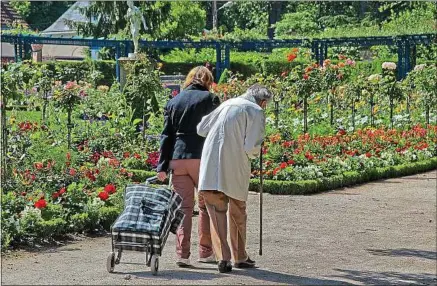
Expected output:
(234, 133)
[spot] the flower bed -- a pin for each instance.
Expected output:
(317, 157)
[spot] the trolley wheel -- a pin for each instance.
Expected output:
(110, 262)
(117, 260)
(154, 264)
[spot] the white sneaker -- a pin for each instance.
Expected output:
(183, 262)
(209, 259)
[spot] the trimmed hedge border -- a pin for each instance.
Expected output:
(309, 187)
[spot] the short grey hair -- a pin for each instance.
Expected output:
(258, 93)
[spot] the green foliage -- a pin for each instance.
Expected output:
(345, 180)
(40, 14)
(299, 23)
(315, 186)
(193, 21)
(108, 215)
(245, 15)
(143, 87)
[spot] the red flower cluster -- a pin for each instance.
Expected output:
(40, 204)
(55, 195)
(108, 190)
(28, 126)
(153, 159)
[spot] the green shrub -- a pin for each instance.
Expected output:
(108, 215)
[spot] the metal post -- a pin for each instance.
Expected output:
(407, 59)
(321, 49)
(227, 57)
(15, 51)
(20, 50)
(218, 64)
(413, 56)
(117, 63)
(400, 45)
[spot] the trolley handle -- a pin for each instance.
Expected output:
(154, 179)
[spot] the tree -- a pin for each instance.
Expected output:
(40, 14)
(185, 18)
(111, 18)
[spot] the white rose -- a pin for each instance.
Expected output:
(419, 67)
(388, 66)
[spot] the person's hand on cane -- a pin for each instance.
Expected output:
(161, 176)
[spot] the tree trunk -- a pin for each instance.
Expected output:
(372, 112)
(427, 113)
(274, 16)
(4, 139)
(214, 15)
(69, 126)
(331, 109)
(276, 114)
(353, 114)
(391, 112)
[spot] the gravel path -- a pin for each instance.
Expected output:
(379, 233)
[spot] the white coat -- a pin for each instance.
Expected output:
(234, 133)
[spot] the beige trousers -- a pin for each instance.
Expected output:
(217, 204)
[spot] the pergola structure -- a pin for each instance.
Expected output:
(406, 46)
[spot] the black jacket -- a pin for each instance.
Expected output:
(179, 139)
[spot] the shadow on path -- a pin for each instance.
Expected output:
(387, 278)
(405, 252)
(277, 277)
(255, 273)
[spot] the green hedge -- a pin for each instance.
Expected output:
(246, 66)
(316, 186)
(107, 68)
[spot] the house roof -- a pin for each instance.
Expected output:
(10, 17)
(73, 14)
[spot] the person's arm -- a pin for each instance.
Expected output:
(255, 130)
(166, 143)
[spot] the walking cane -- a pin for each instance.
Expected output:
(261, 200)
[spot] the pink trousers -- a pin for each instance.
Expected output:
(185, 179)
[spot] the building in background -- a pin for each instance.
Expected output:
(9, 19)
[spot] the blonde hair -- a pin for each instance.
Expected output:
(199, 75)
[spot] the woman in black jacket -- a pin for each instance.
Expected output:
(181, 149)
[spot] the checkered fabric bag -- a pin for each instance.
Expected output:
(134, 219)
(149, 216)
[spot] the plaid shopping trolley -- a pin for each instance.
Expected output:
(149, 215)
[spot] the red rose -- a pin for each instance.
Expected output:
(40, 204)
(61, 191)
(23, 194)
(72, 172)
(103, 196)
(291, 57)
(55, 195)
(368, 155)
(283, 165)
(290, 162)
(137, 156)
(306, 76)
(110, 189)
(38, 165)
(309, 156)
(126, 155)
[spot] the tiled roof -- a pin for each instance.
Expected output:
(9, 16)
